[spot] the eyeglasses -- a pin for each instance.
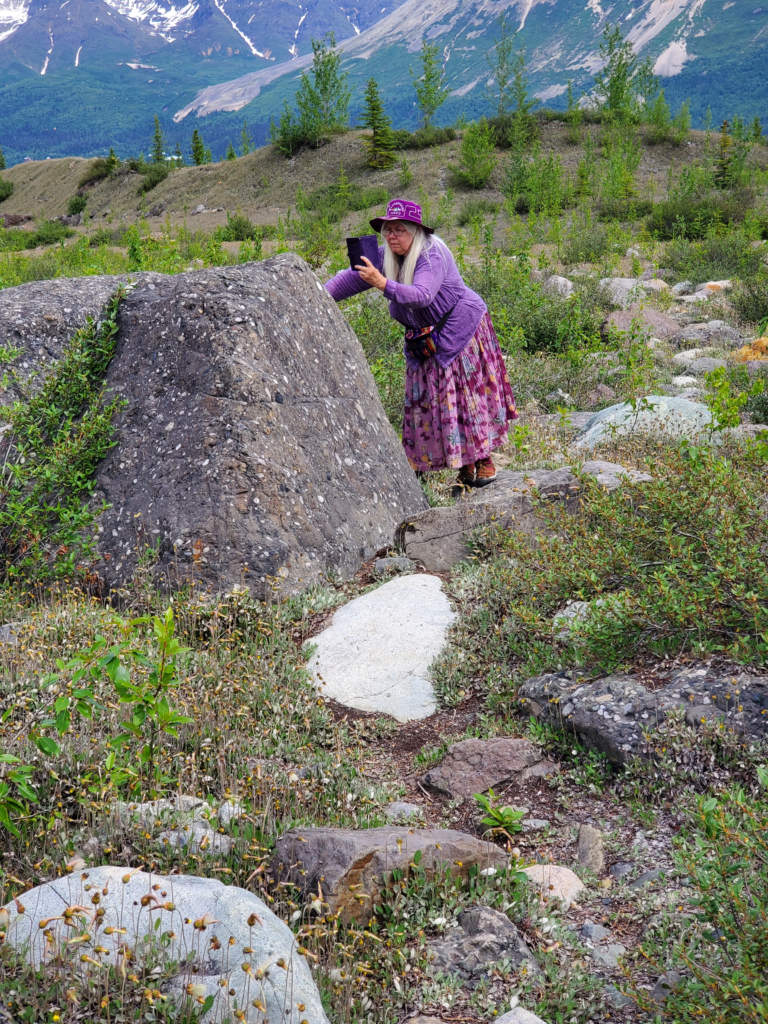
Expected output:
(398, 232)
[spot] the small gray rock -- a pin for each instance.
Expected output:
(383, 566)
(400, 809)
(646, 878)
(196, 838)
(594, 932)
(682, 288)
(559, 397)
(684, 381)
(590, 850)
(608, 956)
(621, 869)
(617, 998)
(484, 937)
(667, 983)
(534, 824)
(706, 365)
(556, 285)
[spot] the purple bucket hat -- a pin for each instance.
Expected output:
(401, 209)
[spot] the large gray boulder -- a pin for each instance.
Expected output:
(714, 332)
(197, 916)
(377, 651)
(674, 417)
(650, 323)
(349, 866)
(613, 714)
(439, 537)
(252, 445)
(39, 319)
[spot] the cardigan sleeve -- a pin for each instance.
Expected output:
(427, 281)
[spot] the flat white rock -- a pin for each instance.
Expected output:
(519, 1016)
(675, 417)
(149, 906)
(376, 654)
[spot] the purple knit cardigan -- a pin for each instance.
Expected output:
(437, 287)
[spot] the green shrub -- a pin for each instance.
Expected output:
(750, 299)
(678, 563)
(623, 209)
(99, 169)
(538, 184)
(6, 189)
(714, 258)
(477, 156)
(585, 242)
(688, 216)
(237, 229)
(423, 138)
(153, 175)
(474, 210)
(76, 205)
(719, 948)
(513, 131)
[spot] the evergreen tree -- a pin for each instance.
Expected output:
(179, 156)
(231, 154)
(2, 161)
(112, 160)
(198, 148)
(247, 142)
(431, 90)
(724, 161)
(380, 144)
(158, 144)
(757, 132)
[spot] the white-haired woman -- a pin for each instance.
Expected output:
(458, 399)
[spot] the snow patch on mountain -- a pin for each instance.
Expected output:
(162, 18)
(672, 60)
(13, 14)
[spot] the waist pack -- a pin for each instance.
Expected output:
(420, 342)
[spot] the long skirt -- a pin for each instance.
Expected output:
(457, 416)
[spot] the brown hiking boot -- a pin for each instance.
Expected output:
(486, 472)
(467, 476)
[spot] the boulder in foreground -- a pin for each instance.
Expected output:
(202, 914)
(349, 865)
(253, 444)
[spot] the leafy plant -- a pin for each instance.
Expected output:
(423, 138)
(76, 204)
(574, 116)
(499, 820)
(623, 78)
(431, 90)
(477, 156)
(15, 789)
(6, 189)
(725, 401)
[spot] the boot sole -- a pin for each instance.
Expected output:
(483, 482)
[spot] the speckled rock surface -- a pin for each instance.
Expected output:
(483, 938)
(39, 318)
(651, 322)
(253, 444)
(674, 417)
(474, 766)
(713, 332)
(611, 714)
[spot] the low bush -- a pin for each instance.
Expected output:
(716, 257)
(99, 169)
(76, 204)
(48, 233)
(153, 174)
(423, 138)
(237, 229)
(585, 242)
(538, 184)
(694, 217)
(718, 947)
(514, 131)
(750, 299)
(679, 563)
(477, 156)
(474, 210)
(6, 189)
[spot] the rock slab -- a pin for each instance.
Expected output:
(612, 715)
(555, 882)
(252, 446)
(136, 901)
(591, 849)
(376, 653)
(475, 766)
(349, 865)
(520, 1016)
(649, 321)
(439, 537)
(483, 938)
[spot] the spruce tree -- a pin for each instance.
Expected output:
(198, 148)
(158, 144)
(757, 132)
(380, 144)
(231, 154)
(2, 161)
(247, 142)
(179, 156)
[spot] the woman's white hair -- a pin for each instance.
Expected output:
(403, 272)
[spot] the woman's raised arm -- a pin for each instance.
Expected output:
(427, 281)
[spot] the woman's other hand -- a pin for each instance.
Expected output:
(371, 275)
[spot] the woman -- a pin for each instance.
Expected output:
(458, 400)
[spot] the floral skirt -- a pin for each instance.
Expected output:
(457, 416)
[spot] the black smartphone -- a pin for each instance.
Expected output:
(364, 245)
